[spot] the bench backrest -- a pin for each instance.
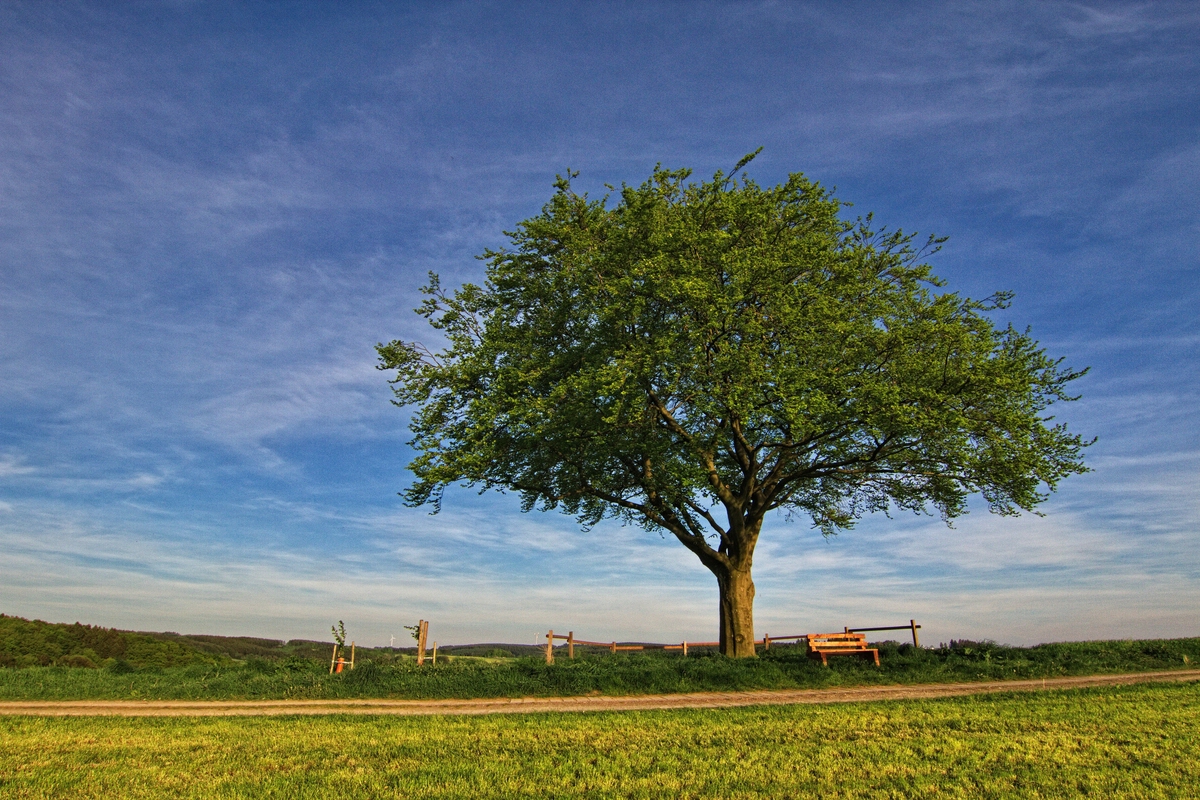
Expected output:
(837, 641)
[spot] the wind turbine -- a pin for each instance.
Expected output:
(393, 644)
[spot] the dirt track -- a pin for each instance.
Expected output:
(527, 705)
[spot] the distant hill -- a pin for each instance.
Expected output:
(243, 647)
(29, 643)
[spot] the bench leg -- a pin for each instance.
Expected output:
(872, 654)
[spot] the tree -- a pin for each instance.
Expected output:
(698, 355)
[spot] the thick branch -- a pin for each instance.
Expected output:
(714, 477)
(746, 460)
(704, 513)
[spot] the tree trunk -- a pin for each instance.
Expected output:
(737, 612)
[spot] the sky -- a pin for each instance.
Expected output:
(211, 212)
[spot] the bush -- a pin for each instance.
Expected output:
(366, 673)
(298, 664)
(76, 661)
(259, 665)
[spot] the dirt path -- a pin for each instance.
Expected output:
(527, 705)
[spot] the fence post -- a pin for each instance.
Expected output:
(685, 648)
(571, 644)
(333, 659)
(766, 643)
(352, 655)
(550, 647)
(435, 654)
(916, 641)
(422, 632)
(614, 647)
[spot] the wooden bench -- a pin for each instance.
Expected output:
(824, 645)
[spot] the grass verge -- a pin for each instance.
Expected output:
(1138, 741)
(637, 673)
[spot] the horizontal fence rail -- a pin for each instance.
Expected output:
(766, 641)
(912, 626)
(613, 646)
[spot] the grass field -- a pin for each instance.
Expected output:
(637, 673)
(1139, 741)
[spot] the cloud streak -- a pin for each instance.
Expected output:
(208, 222)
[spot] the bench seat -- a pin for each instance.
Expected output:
(823, 645)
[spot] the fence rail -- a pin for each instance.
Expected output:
(766, 641)
(911, 626)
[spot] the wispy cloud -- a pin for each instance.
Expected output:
(11, 465)
(205, 229)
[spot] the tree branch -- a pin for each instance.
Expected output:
(714, 477)
(704, 513)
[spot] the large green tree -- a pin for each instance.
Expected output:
(694, 356)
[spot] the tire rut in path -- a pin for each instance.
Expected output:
(529, 705)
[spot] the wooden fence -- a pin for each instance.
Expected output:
(912, 626)
(683, 646)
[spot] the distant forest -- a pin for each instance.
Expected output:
(33, 643)
(30, 643)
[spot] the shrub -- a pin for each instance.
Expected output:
(76, 661)
(259, 665)
(366, 673)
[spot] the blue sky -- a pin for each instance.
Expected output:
(211, 212)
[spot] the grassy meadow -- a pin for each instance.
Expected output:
(650, 672)
(1137, 741)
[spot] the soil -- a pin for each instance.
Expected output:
(527, 705)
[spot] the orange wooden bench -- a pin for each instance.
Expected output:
(824, 645)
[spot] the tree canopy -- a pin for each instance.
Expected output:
(693, 356)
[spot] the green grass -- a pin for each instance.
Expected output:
(1139, 741)
(636, 673)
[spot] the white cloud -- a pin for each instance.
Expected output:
(11, 465)
(1120, 20)
(137, 578)
(202, 274)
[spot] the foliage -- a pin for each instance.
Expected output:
(1121, 742)
(27, 643)
(698, 355)
(241, 647)
(339, 633)
(366, 673)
